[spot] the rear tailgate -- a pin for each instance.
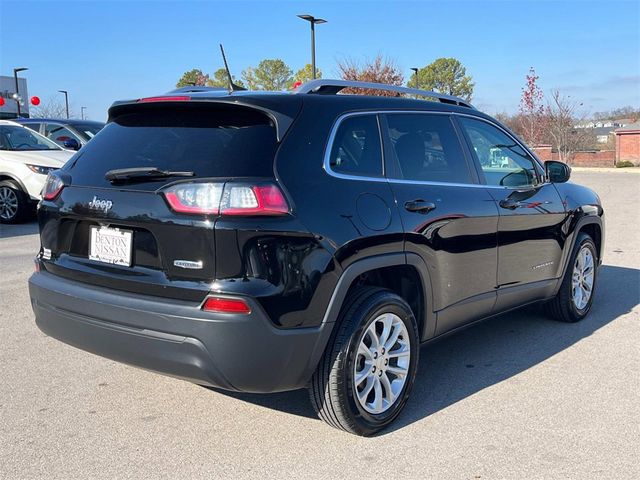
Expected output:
(170, 254)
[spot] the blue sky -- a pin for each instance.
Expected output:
(101, 51)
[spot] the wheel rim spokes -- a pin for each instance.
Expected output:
(582, 278)
(382, 363)
(8, 203)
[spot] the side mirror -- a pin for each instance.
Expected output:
(71, 143)
(557, 172)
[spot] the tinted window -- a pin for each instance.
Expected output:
(33, 126)
(502, 160)
(217, 142)
(427, 148)
(356, 147)
(88, 130)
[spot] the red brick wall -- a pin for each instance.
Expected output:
(543, 152)
(628, 147)
(602, 158)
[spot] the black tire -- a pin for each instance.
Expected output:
(562, 307)
(332, 389)
(11, 192)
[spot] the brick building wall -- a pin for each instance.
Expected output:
(628, 146)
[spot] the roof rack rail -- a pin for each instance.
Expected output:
(323, 86)
(197, 88)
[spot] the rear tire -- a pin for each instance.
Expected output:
(366, 374)
(14, 203)
(575, 297)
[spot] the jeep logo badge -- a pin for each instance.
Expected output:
(102, 205)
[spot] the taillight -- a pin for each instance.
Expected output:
(53, 185)
(240, 199)
(197, 198)
(226, 305)
(227, 199)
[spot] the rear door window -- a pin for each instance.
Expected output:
(427, 148)
(59, 133)
(356, 148)
(219, 141)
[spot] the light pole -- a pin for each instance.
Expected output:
(415, 70)
(313, 21)
(15, 77)
(82, 109)
(66, 100)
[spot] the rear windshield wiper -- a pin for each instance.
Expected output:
(142, 174)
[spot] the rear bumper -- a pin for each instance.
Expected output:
(176, 338)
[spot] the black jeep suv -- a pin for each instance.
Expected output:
(263, 242)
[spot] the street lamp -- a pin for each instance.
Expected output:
(415, 70)
(313, 21)
(66, 100)
(15, 77)
(82, 109)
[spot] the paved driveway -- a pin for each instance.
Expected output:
(518, 396)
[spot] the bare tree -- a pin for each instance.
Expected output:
(52, 108)
(378, 70)
(562, 116)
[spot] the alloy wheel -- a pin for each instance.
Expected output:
(8, 203)
(382, 363)
(582, 278)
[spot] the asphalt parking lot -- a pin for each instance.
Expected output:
(518, 396)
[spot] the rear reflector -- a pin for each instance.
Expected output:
(175, 98)
(226, 305)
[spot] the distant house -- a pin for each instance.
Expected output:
(603, 129)
(619, 122)
(628, 143)
(602, 133)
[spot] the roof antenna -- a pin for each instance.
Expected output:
(232, 86)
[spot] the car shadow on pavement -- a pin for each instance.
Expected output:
(19, 229)
(462, 364)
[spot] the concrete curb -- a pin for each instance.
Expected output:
(606, 169)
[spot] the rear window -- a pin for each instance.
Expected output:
(225, 141)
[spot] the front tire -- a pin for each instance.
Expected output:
(14, 203)
(575, 297)
(364, 378)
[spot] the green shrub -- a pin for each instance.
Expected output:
(624, 164)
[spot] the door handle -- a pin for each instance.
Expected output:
(419, 206)
(509, 203)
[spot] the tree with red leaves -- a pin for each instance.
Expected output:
(532, 111)
(378, 70)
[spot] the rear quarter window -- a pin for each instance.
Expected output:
(356, 148)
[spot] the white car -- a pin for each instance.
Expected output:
(26, 157)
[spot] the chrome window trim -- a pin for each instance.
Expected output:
(329, 146)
